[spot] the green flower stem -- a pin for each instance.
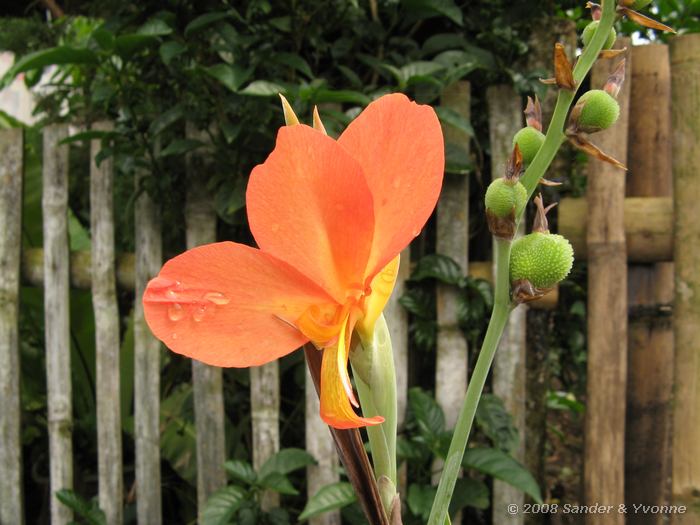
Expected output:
(499, 317)
(375, 378)
(502, 303)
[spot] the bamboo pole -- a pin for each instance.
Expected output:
(650, 293)
(56, 317)
(648, 224)
(104, 302)
(604, 460)
(265, 415)
(505, 118)
(685, 107)
(452, 239)
(147, 351)
(207, 381)
(11, 158)
(319, 443)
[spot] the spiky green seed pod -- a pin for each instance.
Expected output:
(544, 259)
(503, 194)
(529, 140)
(600, 110)
(589, 31)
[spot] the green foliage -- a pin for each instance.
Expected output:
(89, 512)
(328, 498)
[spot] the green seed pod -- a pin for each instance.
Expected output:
(529, 140)
(543, 259)
(590, 30)
(600, 110)
(503, 195)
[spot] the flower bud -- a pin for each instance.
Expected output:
(505, 195)
(589, 31)
(541, 258)
(529, 140)
(599, 110)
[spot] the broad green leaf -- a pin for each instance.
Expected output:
(166, 119)
(169, 50)
(233, 77)
(341, 96)
(418, 302)
(104, 38)
(181, 146)
(241, 471)
(295, 62)
(419, 69)
(451, 117)
(500, 465)
(330, 497)
(88, 510)
(469, 493)
(287, 460)
(495, 421)
(204, 21)
(178, 436)
(420, 499)
(263, 88)
(93, 134)
(7, 121)
(127, 46)
(222, 505)
(442, 42)
(279, 483)
(437, 266)
(54, 56)
(154, 27)
(446, 8)
(428, 414)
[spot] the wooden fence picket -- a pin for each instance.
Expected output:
(11, 145)
(505, 119)
(107, 343)
(147, 352)
(56, 317)
(265, 415)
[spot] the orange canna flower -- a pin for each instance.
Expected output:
(330, 218)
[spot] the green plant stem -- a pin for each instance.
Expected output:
(502, 303)
(499, 317)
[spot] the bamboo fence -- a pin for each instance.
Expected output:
(633, 402)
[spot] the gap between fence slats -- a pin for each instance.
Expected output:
(11, 145)
(56, 317)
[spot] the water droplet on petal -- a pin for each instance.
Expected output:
(416, 232)
(199, 313)
(174, 336)
(172, 294)
(217, 298)
(176, 312)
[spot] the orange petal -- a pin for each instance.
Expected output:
(309, 205)
(227, 304)
(336, 389)
(399, 145)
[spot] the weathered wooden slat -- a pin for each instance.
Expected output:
(147, 352)
(56, 317)
(604, 462)
(650, 293)
(104, 302)
(265, 416)
(505, 119)
(11, 157)
(319, 443)
(685, 119)
(207, 381)
(648, 224)
(452, 239)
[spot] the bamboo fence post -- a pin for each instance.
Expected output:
(319, 443)
(685, 104)
(11, 157)
(650, 290)
(604, 462)
(207, 381)
(505, 117)
(147, 351)
(56, 316)
(104, 302)
(452, 239)
(265, 415)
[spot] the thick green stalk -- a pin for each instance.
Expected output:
(502, 304)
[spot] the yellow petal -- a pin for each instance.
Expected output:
(382, 285)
